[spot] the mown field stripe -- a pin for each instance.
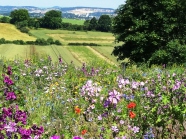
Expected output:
(101, 56)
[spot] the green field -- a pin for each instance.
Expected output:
(12, 51)
(76, 54)
(65, 36)
(73, 21)
(106, 51)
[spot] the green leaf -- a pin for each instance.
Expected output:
(165, 99)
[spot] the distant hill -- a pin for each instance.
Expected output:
(67, 12)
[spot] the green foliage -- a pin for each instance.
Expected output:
(50, 40)
(21, 42)
(5, 19)
(70, 26)
(104, 23)
(33, 22)
(2, 41)
(21, 24)
(39, 41)
(52, 19)
(86, 24)
(173, 53)
(19, 15)
(93, 24)
(57, 42)
(151, 31)
(24, 29)
(83, 44)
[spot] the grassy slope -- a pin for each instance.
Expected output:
(73, 21)
(9, 32)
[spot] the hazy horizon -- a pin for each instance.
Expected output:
(61, 3)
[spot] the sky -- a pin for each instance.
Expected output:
(64, 3)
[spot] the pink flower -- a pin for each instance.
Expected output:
(55, 137)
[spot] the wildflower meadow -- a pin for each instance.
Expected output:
(40, 99)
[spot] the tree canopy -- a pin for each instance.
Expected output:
(19, 16)
(52, 19)
(104, 23)
(93, 24)
(152, 31)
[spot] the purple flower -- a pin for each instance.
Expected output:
(105, 114)
(77, 137)
(7, 112)
(115, 129)
(37, 130)
(99, 117)
(135, 129)
(150, 94)
(114, 96)
(121, 122)
(9, 70)
(20, 116)
(11, 127)
(7, 80)
(25, 133)
(60, 60)
(10, 96)
(106, 103)
(55, 137)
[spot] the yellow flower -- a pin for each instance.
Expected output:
(56, 83)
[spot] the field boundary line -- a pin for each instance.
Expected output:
(74, 55)
(101, 55)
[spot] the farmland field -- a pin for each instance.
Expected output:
(66, 36)
(73, 21)
(78, 54)
(12, 51)
(9, 32)
(106, 51)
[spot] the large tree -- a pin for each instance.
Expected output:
(52, 19)
(19, 16)
(93, 24)
(104, 23)
(152, 31)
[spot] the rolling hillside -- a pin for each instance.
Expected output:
(9, 32)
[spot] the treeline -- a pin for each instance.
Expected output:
(83, 44)
(53, 20)
(38, 41)
(102, 24)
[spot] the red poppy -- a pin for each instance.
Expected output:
(83, 132)
(132, 114)
(131, 105)
(77, 110)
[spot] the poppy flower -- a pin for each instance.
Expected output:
(131, 105)
(132, 114)
(83, 132)
(77, 110)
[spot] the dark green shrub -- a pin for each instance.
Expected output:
(50, 41)
(83, 44)
(2, 41)
(30, 42)
(41, 41)
(24, 30)
(57, 42)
